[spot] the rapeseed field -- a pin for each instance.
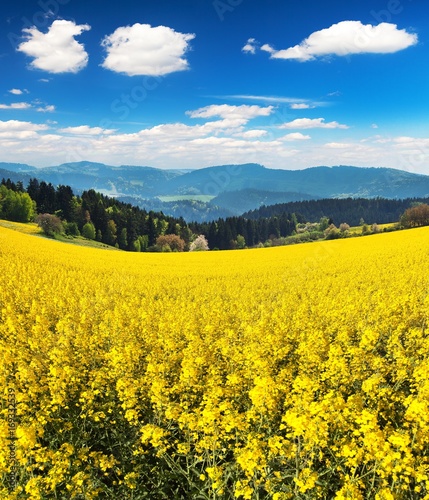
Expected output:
(297, 372)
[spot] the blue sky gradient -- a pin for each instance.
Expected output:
(194, 83)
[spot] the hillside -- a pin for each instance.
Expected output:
(15, 176)
(349, 210)
(320, 182)
(238, 202)
(140, 364)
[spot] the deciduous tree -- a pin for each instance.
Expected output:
(170, 241)
(50, 224)
(199, 244)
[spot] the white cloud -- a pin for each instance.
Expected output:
(221, 140)
(18, 91)
(374, 125)
(49, 108)
(265, 98)
(56, 51)
(251, 46)
(305, 123)
(86, 130)
(145, 50)
(252, 134)
(210, 142)
(18, 135)
(19, 126)
(339, 145)
(244, 111)
(412, 142)
(16, 105)
(300, 106)
(37, 105)
(294, 102)
(378, 139)
(295, 136)
(345, 38)
(404, 140)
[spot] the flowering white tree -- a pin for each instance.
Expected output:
(199, 244)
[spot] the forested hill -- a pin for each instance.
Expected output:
(349, 210)
(97, 216)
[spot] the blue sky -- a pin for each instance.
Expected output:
(194, 83)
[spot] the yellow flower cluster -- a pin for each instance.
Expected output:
(286, 373)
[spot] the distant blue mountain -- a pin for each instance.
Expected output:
(234, 188)
(15, 176)
(17, 167)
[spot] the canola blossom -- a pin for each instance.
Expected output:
(297, 372)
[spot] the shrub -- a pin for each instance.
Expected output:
(88, 231)
(344, 227)
(415, 216)
(332, 232)
(50, 224)
(170, 242)
(71, 229)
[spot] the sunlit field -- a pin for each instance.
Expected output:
(296, 372)
(30, 228)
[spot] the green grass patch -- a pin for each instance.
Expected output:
(79, 240)
(381, 227)
(34, 229)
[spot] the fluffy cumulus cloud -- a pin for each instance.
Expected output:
(340, 145)
(412, 141)
(86, 130)
(17, 125)
(56, 51)
(16, 105)
(346, 38)
(252, 134)
(16, 130)
(305, 123)
(18, 91)
(219, 138)
(295, 136)
(300, 105)
(48, 108)
(250, 46)
(145, 50)
(233, 118)
(244, 111)
(35, 105)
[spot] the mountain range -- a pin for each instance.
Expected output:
(225, 190)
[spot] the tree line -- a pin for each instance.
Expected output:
(349, 210)
(237, 232)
